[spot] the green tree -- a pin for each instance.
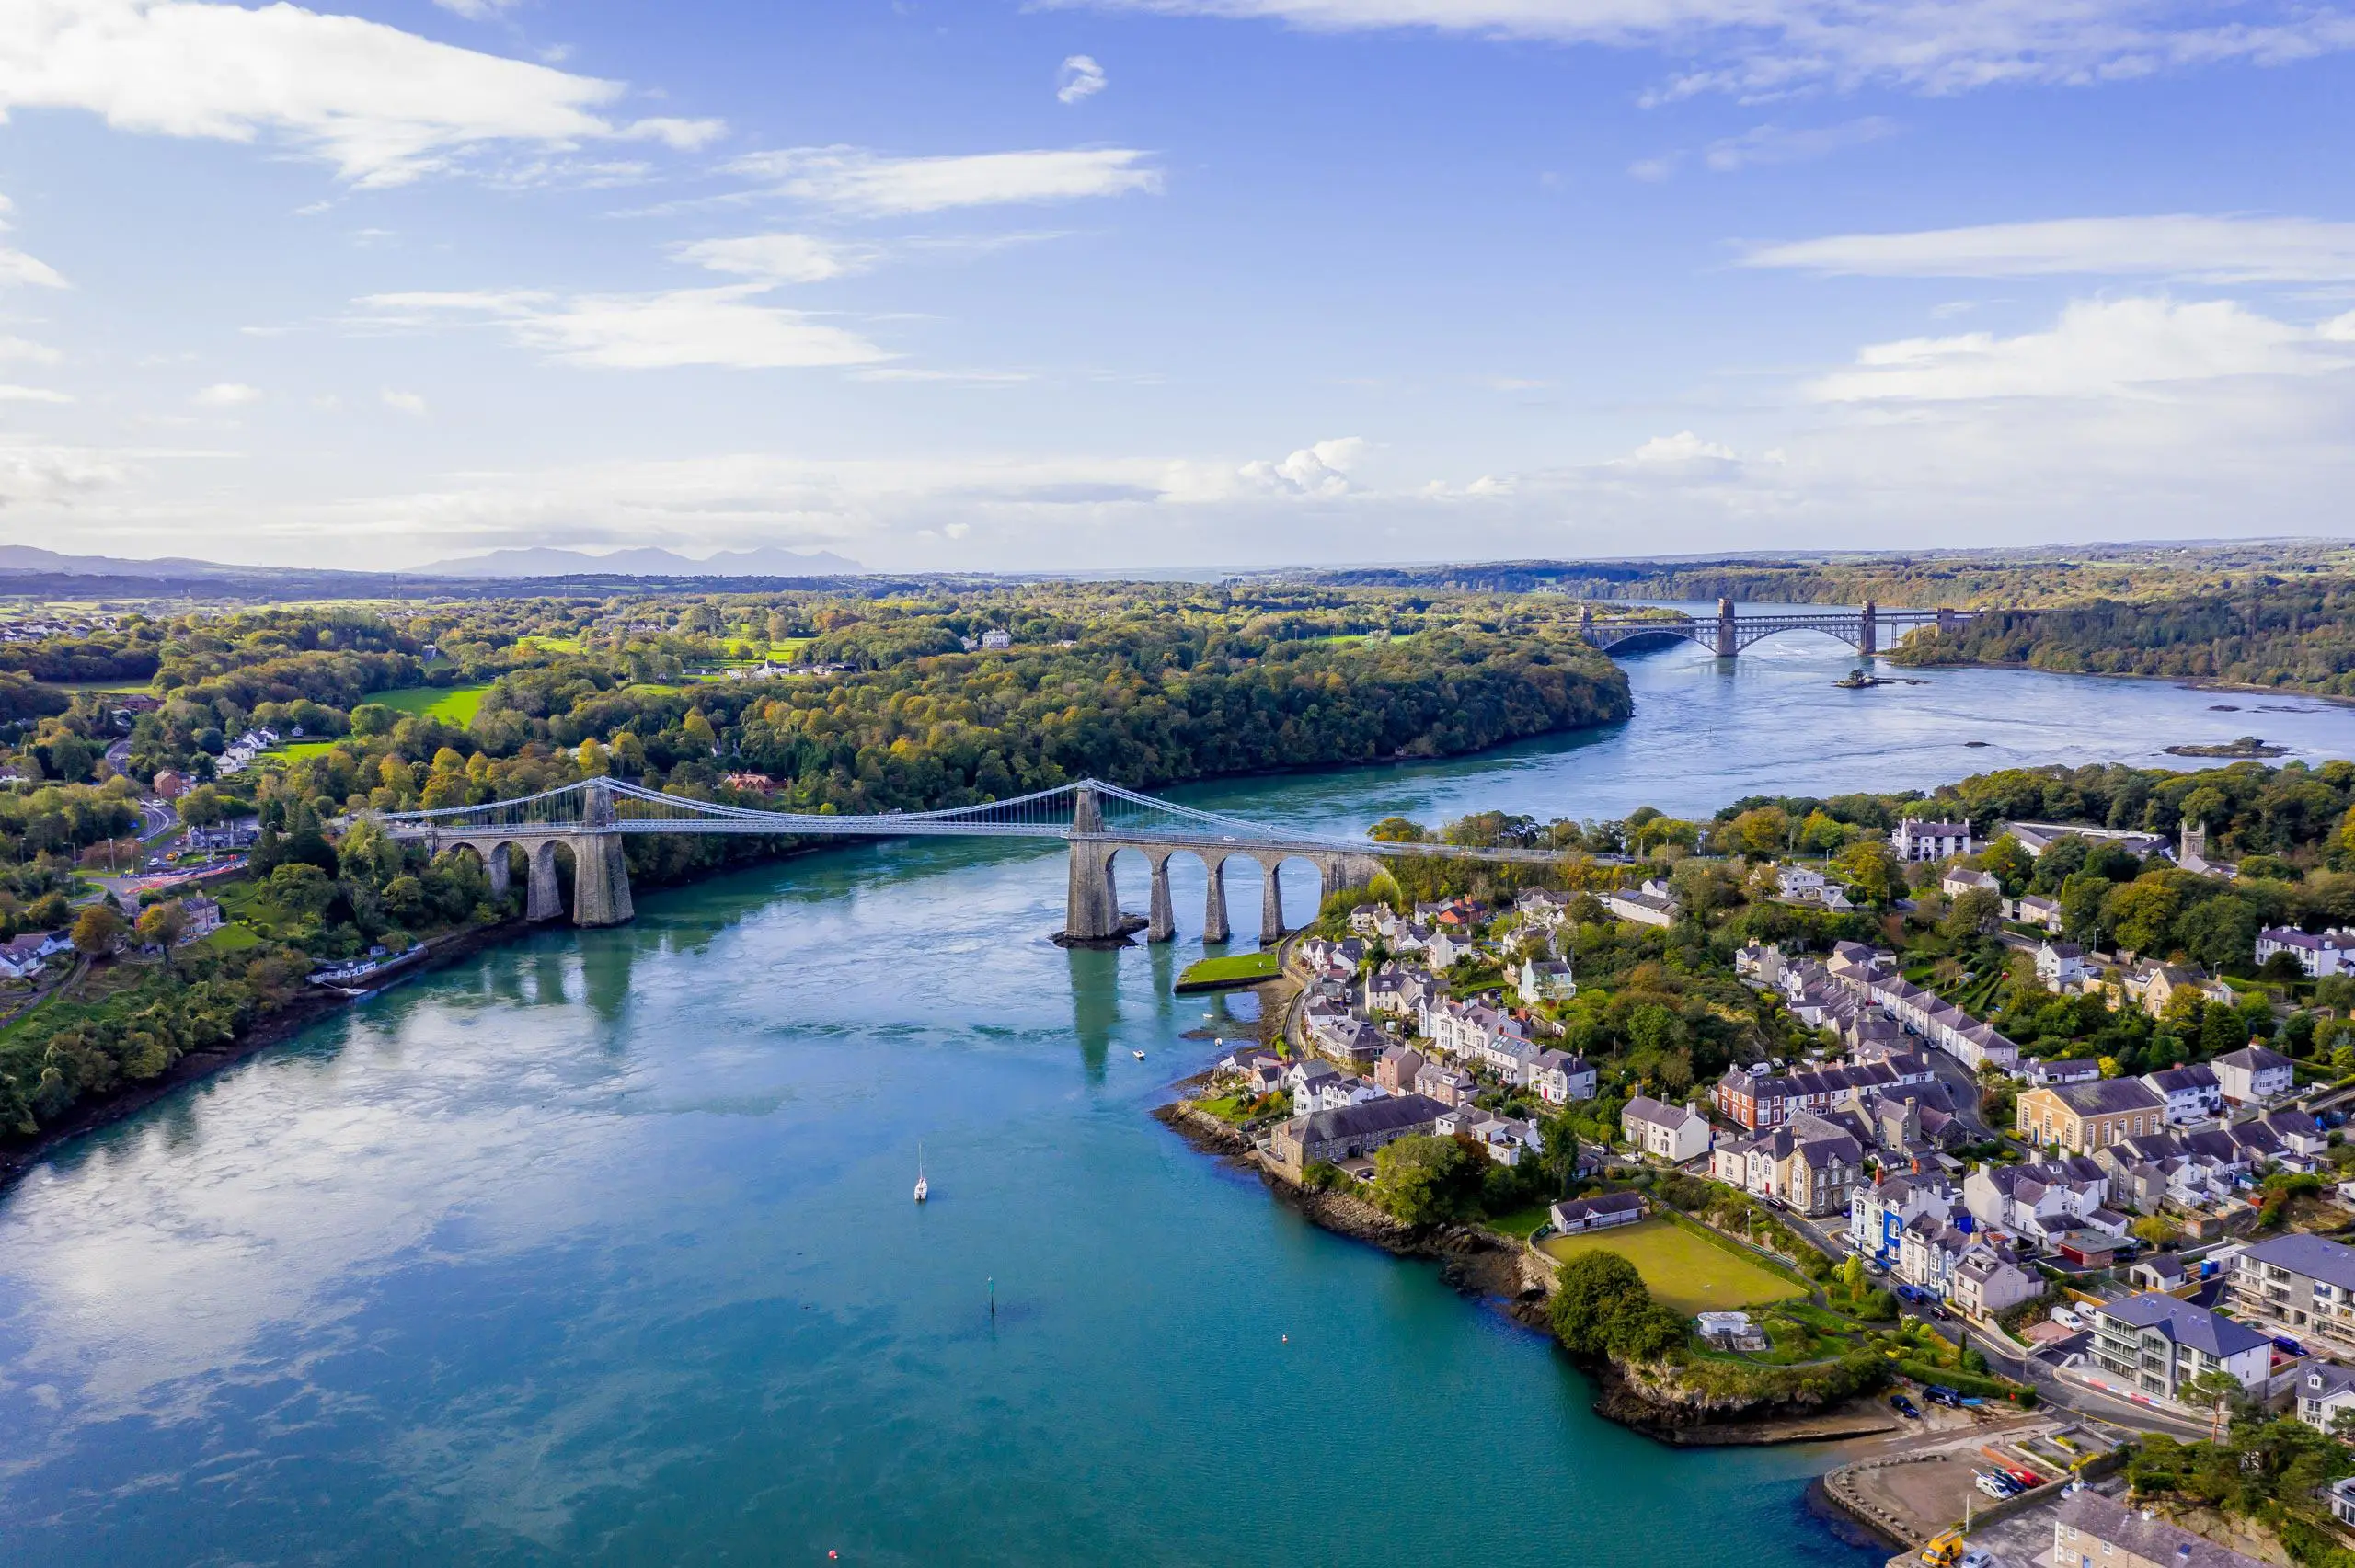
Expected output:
(1426, 1179)
(2009, 862)
(1972, 915)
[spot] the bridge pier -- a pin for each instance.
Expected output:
(543, 900)
(1162, 926)
(1868, 631)
(1091, 903)
(600, 880)
(1214, 922)
(1271, 903)
(1729, 632)
(494, 861)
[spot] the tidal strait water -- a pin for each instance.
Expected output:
(599, 1248)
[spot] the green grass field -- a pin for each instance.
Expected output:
(451, 704)
(228, 939)
(1236, 969)
(1683, 1271)
(101, 685)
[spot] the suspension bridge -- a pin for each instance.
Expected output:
(1729, 632)
(590, 821)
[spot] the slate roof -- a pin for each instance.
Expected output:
(2107, 1096)
(2153, 1541)
(2185, 1323)
(2310, 1256)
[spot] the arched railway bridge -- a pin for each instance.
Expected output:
(591, 820)
(1729, 632)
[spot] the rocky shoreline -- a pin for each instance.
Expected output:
(1508, 1275)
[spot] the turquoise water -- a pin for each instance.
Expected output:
(599, 1248)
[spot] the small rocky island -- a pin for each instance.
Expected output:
(2246, 746)
(1862, 680)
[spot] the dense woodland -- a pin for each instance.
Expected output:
(1148, 687)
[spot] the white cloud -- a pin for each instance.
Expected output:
(474, 10)
(1769, 145)
(1081, 77)
(1319, 470)
(1762, 47)
(2184, 246)
(226, 394)
(384, 106)
(27, 351)
(779, 259)
(725, 327)
(15, 267)
(1681, 449)
(409, 403)
(31, 394)
(854, 180)
(2097, 349)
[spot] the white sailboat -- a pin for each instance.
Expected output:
(923, 1188)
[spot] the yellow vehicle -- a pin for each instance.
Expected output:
(1943, 1552)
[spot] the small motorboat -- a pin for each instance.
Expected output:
(923, 1188)
(1138, 1055)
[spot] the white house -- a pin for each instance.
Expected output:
(2329, 953)
(1673, 1133)
(1447, 947)
(2253, 1076)
(2192, 1092)
(1547, 979)
(2059, 964)
(1960, 880)
(1930, 840)
(1649, 904)
(1799, 881)
(1560, 1078)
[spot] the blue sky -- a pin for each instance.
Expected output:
(1201, 283)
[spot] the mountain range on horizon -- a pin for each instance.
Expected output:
(768, 561)
(644, 561)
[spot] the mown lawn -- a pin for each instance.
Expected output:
(451, 704)
(1232, 968)
(1520, 1223)
(1685, 1272)
(232, 938)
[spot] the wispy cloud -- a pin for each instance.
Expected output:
(1768, 145)
(779, 257)
(1081, 77)
(2097, 349)
(724, 326)
(2181, 246)
(409, 403)
(226, 394)
(1767, 48)
(15, 267)
(856, 181)
(382, 105)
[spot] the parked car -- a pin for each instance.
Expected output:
(1977, 1557)
(2028, 1478)
(1904, 1407)
(1993, 1485)
(2287, 1345)
(2067, 1319)
(1907, 1293)
(1938, 1393)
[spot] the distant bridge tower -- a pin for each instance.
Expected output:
(1868, 634)
(1729, 640)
